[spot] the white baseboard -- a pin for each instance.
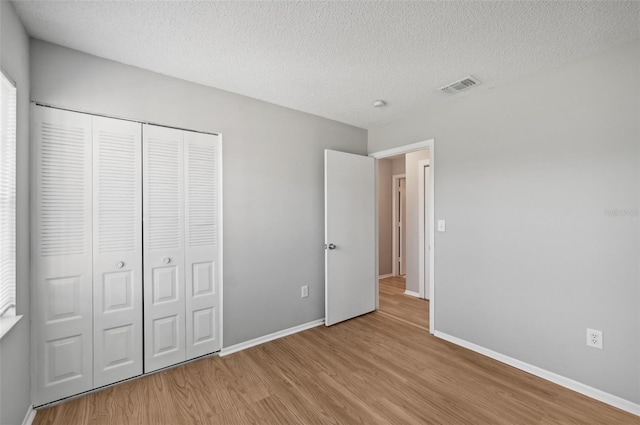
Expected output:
(579, 387)
(30, 416)
(413, 294)
(261, 340)
(384, 276)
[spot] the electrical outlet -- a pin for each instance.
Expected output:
(594, 338)
(304, 291)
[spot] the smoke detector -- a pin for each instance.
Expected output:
(460, 85)
(379, 103)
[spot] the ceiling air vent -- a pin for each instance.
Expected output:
(460, 85)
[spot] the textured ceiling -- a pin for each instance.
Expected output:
(334, 59)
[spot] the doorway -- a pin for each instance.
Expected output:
(414, 230)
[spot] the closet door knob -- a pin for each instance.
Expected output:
(166, 260)
(120, 264)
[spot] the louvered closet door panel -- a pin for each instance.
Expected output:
(117, 250)
(201, 240)
(163, 210)
(62, 320)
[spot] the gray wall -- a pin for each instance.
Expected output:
(398, 166)
(412, 260)
(525, 174)
(15, 390)
(273, 177)
(385, 218)
(387, 168)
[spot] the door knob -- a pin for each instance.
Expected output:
(330, 246)
(166, 260)
(120, 264)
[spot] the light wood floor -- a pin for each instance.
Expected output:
(395, 303)
(373, 369)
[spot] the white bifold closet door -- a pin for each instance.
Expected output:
(164, 291)
(62, 250)
(117, 250)
(180, 245)
(201, 243)
(87, 250)
(103, 190)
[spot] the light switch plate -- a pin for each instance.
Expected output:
(441, 226)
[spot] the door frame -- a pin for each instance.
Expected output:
(425, 144)
(422, 219)
(394, 233)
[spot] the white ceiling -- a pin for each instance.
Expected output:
(334, 59)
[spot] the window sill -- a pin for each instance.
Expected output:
(6, 323)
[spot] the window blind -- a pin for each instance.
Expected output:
(7, 195)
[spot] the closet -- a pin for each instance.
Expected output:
(125, 254)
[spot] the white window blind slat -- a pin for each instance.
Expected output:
(7, 195)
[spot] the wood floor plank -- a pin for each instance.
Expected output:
(405, 307)
(380, 368)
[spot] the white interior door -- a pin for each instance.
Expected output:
(202, 271)
(350, 253)
(117, 250)
(164, 274)
(62, 317)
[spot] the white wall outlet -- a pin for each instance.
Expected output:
(304, 291)
(594, 338)
(441, 226)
